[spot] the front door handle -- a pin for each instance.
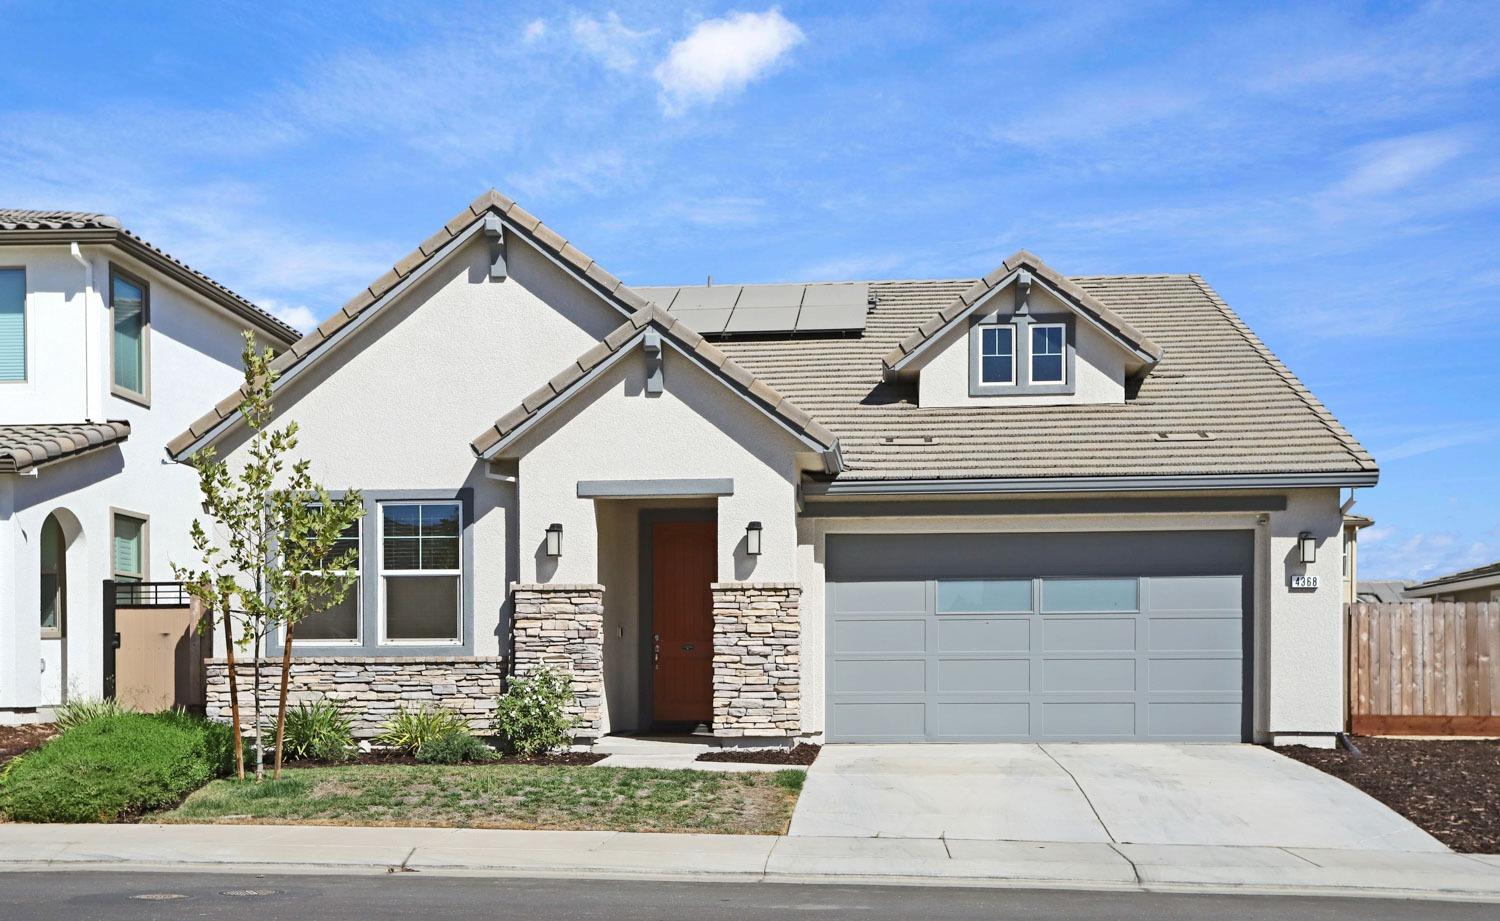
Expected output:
(656, 650)
(115, 643)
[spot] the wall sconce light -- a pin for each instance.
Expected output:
(1307, 547)
(752, 538)
(554, 540)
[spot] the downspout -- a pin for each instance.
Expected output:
(91, 402)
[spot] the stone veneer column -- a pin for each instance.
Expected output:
(562, 627)
(757, 658)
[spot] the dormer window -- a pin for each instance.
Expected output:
(997, 354)
(1047, 344)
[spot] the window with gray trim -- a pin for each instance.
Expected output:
(421, 572)
(1021, 355)
(339, 624)
(130, 317)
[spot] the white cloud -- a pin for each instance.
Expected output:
(722, 56)
(1394, 164)
(609, 41)
(534, 30)
(298, 316)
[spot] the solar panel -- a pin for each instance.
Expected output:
(744, 309)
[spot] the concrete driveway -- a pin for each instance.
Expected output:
(1232, 795)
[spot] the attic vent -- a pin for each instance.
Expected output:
(1184, 436)
(909, 440)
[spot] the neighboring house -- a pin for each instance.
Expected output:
(1481, 583)
(108, 347)
(1024, 507)
(1381, 591)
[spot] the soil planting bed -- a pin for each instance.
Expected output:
(802, 754)
(573, 759)
(17, 739)
(1449, 787)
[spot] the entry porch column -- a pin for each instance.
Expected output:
(757, 659)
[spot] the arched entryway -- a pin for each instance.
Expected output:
(61, 569)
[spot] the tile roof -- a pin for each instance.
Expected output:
(492, 201)
(1215, 377)
(1490, 570)
(22, 226)
(672, 327)
(1119, 328)
(26, 446)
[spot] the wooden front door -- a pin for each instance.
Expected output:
(684, 562)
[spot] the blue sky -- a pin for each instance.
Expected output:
(1332, 169)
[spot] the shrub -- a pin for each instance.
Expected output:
(455, 748)
(77, 712)
(319, 730)
(411, 730)
(532, 717)
(114, 767)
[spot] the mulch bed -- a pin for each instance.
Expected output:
(566, 759)
(15, 740)
(1449, 787)
(801, 754)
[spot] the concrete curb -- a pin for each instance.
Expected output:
(325, 850)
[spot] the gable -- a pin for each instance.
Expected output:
(507, 232)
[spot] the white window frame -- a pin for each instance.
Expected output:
(25, 378)
(1061, 353)
(381, 573)
(1011, 329)
(359, 599)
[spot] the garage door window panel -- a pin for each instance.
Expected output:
(1088, 596)
(984, 596)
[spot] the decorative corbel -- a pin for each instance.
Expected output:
(1023, 293)
(655, 382)
(494, 228)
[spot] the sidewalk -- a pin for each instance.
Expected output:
(315, 849)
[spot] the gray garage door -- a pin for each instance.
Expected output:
(984, 637)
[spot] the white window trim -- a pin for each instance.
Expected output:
(359, 601)
(381, 573)
(26, 336)
(1062, 354)
(1014, 350)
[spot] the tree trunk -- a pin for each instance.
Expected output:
(286, 677)
(260, 737)
(234, 695)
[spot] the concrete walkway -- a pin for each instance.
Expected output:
(437, 851)
(1156, 795)
(671, 753)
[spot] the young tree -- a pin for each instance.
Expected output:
(264, 567)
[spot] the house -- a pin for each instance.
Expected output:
(108, 347)
(1381, 591)
(1028, 506)
(1353, 524)
(1480, 584)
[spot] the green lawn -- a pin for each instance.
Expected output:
(506, 796)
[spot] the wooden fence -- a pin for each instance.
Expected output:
(1424, 668)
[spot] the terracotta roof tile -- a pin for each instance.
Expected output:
(23, 447)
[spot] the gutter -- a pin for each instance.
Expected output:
(935, 487)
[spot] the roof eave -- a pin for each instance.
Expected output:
(1152, 483)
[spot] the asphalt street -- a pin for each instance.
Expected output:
(149, 896)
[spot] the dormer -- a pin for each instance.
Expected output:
(1023, 335)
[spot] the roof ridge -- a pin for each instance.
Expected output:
(1350, 443)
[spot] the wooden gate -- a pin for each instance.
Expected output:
(1424, 668)
(153, 650)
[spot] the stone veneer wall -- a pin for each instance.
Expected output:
(370, 688)
(561, 627)
(757, 658)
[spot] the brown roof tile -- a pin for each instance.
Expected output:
(23, 447)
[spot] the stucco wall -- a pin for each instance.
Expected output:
(613, 430)
(194, 361)
(396, 407)
(1099, 369)
(1298, 634)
